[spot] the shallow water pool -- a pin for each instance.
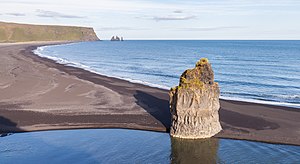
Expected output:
(134, 146)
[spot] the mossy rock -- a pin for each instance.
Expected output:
(196, 78)
(194, 103)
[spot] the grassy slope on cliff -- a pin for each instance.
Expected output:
(13, 32)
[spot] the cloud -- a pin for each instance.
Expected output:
(22, 2)
(16, 14)
(119, 28)
(210, 28)
(53, 14)
(178, 11)
(171, 18)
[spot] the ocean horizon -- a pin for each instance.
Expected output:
(247, 70)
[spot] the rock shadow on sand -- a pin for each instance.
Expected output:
(8, 126)
(156, 106)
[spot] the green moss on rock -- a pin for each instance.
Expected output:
(196, 78)
(202, 62)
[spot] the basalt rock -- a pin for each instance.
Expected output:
(116, 38)
(195, 103)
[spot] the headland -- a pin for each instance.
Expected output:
(15, 32)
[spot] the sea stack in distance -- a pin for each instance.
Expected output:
(194, 104)
(116, 38)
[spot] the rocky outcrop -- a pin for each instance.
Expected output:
(116, 38)
(195, 103)
(15, 32)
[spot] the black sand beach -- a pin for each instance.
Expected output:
(39, 94)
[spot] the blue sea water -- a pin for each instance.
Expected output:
(133, 146)
(256, 71)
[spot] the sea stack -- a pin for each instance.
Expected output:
(116, 38)
(194, 104)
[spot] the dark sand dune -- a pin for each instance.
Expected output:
(39, 94)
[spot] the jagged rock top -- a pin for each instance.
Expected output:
(196, 77)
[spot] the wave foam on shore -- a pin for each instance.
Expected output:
(39, 52)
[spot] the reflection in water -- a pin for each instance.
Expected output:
(194, 151)
(134, 146)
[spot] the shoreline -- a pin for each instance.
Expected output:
(139, 106)
(163, 87)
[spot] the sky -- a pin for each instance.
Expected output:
(165, 19)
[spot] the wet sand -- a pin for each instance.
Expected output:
(39, 94)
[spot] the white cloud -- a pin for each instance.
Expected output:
(16, 14)
(119, 28)
(172, 17)
(53, 14)
(210, 28)
(178, 11)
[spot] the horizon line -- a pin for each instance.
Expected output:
(204, 39)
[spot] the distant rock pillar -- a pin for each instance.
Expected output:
(194, 104)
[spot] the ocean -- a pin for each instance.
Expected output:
(265, 72)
